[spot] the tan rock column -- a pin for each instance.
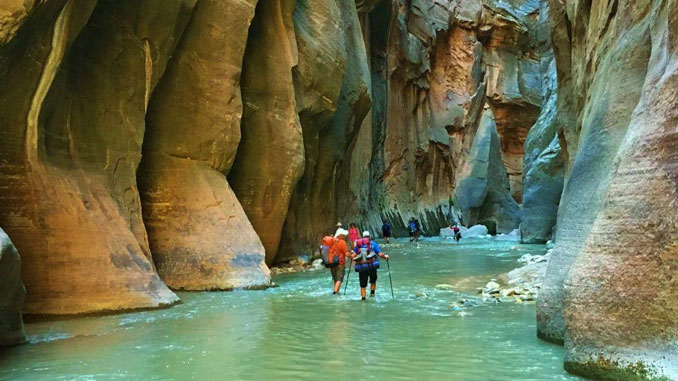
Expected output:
(621, 295)
(270, 157)
(71, 142)
(199, 234)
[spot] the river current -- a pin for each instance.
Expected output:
(300, 331)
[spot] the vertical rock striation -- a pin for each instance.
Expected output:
(71, 141)
(604, 120)
(199, 234)
(609, 291)
(544, 160)
(270, 158)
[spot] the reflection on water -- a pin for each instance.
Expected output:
(299, 330)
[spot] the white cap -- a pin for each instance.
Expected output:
(366, 233)
(340, 231)
(339, 224)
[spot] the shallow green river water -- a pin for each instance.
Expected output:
(300, 331)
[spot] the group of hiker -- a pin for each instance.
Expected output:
(364, 254)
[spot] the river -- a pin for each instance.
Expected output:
(299, 330)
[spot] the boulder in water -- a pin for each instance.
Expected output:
(12, 293)
(512, 236)
(476, 231)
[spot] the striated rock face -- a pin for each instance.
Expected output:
(483, 194)
(442, 63)
(270, 158)
(609, 291)
(604, 121)
(544, 160)
(332, 127)
(12, 293)
(193, 131)
(69, 167)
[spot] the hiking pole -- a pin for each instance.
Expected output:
(388, 264)
(350, 265)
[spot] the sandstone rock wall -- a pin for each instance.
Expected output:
(438, 67)
(609, 291)
(544, 160)
(200, 236)
(270, 158)
(75, 79)
(12, 293)
(189, 143)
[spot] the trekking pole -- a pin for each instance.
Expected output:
(350, 265)
(388, 264)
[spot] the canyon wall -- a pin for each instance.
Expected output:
(435, 67)
(610, 289)
(191, 143)
(544, 160)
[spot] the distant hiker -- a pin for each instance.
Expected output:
(412, 227)
(353, 234)
(339, 225)
(335, 258)
(366, 263)
(457, 232)
(417, 229)
(386, 231)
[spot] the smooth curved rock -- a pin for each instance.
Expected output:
(12, 294)
(604, 121)
(483, 196)
(620, 296)
(270, 158)
(544, 159)
(199, 234)
(321, 38)
(72, 207)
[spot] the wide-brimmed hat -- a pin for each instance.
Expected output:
(340, 231)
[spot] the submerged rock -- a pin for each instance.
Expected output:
(445, 287)
(12, 293)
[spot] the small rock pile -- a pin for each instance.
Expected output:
(523, 283)
(298, 264)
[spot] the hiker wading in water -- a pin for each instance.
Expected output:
(386, 232)
(335, 251)
(366, 263)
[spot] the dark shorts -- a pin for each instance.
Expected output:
(386, 234)
(372, 274)
(338, 273)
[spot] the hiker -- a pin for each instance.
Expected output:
(386, 231)
(457, 232)
(366, 263)
(412, 228)
(417, 230)
(353, 234)
(336, 257)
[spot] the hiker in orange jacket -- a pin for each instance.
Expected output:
(337, 258)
